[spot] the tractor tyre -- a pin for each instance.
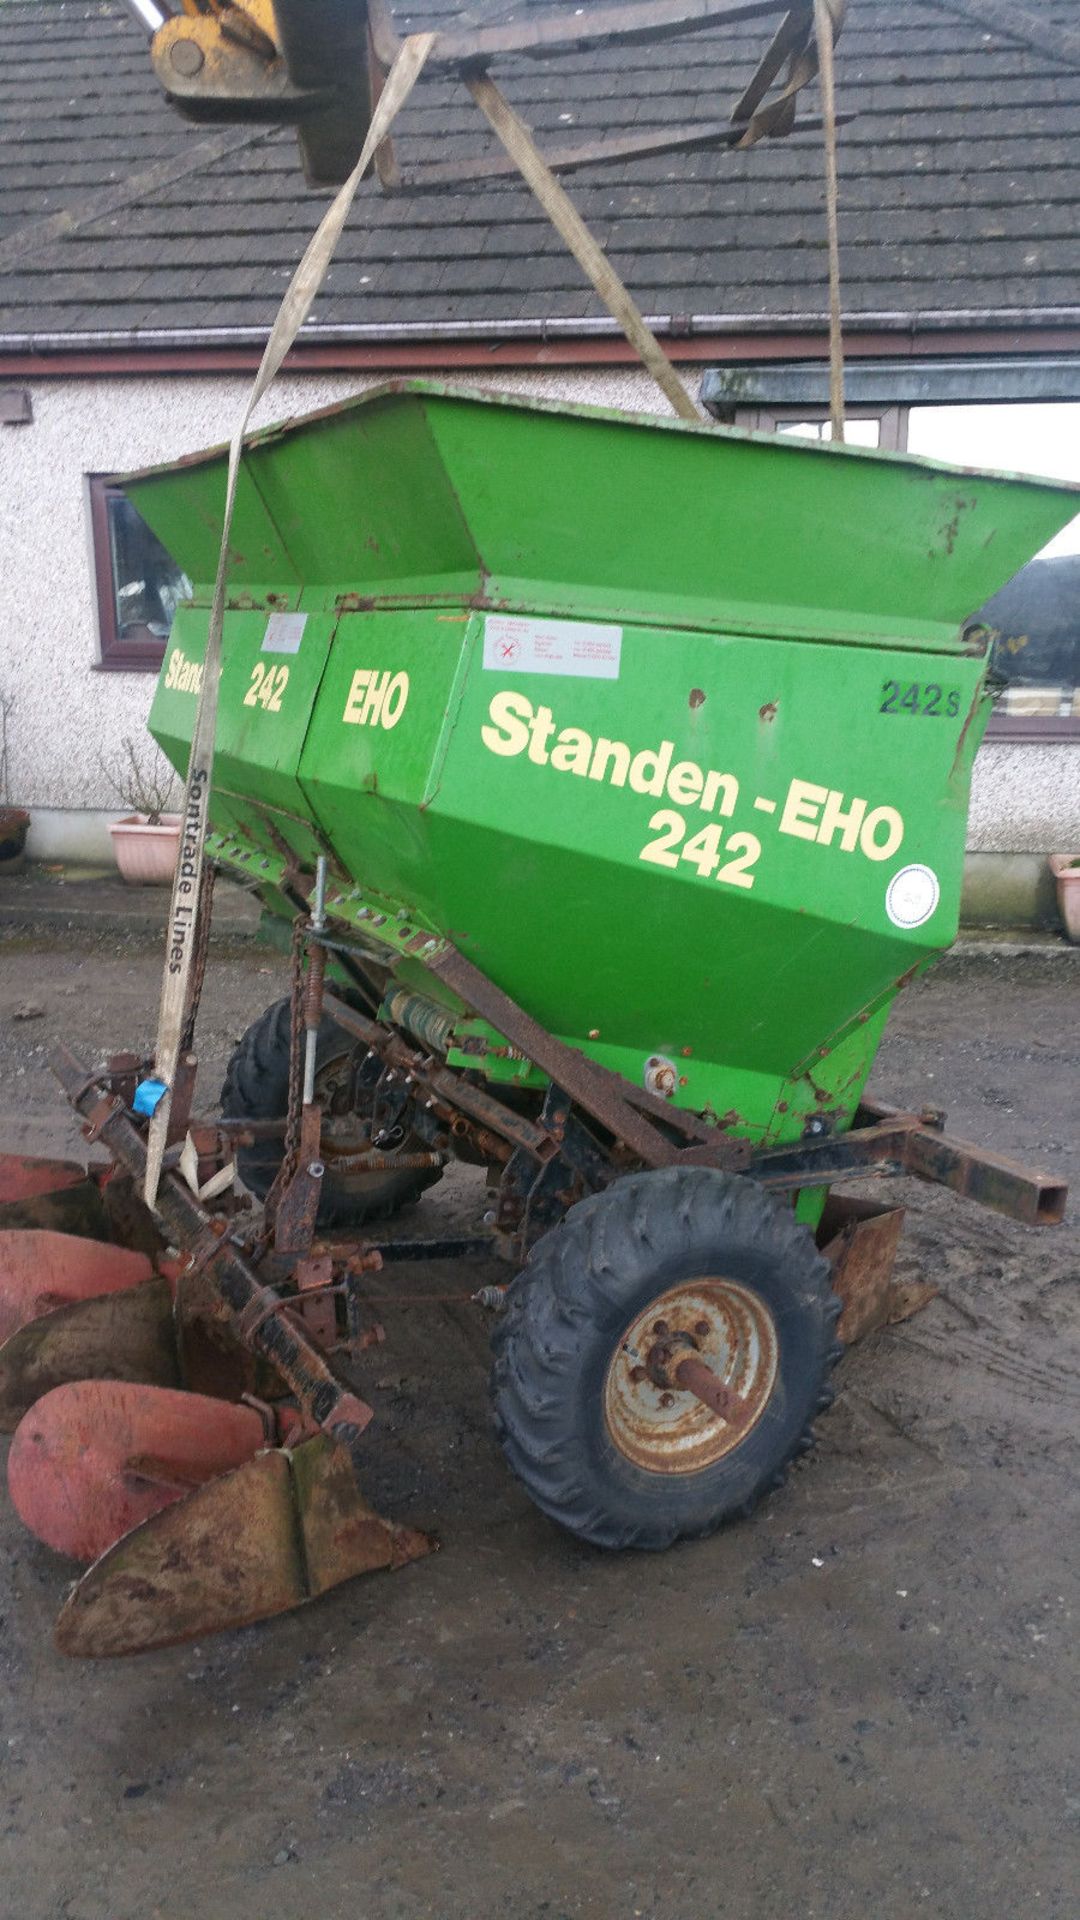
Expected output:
(256, 1087)
(662, 1267)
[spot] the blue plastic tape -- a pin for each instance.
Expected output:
(148, 1097)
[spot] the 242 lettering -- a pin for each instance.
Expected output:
(267, 686)
(702, 849)
(927, 699)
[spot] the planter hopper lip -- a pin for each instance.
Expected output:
(418, 489)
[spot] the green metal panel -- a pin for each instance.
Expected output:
(370, 768)
(561, 866)
(669, 729)
(415, 489)
(190, 500)
(270, 675)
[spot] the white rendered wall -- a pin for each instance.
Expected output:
(1026, 797)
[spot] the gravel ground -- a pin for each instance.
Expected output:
(860, 1703)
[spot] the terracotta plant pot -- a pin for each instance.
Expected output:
(145, 854)
(1065, 868)
(14, 824)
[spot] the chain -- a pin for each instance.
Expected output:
(291, 1155)
(202, 948)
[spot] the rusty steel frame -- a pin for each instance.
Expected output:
(883, 1139)
(643, 1129)
(687, 138)
(886, 1140)
(292, 1521)
(576, 30)
(261, 1315)
(625, 1110)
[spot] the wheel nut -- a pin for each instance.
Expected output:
(637, 1375)
(667, 1399)
(660, 1326)
(702, 1329)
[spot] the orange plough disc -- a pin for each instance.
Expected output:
(40, 1270)
(52, 1193)
(24, 1177)
(94, 1458)
(131, 1335)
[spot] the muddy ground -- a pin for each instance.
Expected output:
(861, 1703)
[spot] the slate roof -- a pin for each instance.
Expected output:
(960, 179)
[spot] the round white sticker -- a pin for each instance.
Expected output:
(912, 896)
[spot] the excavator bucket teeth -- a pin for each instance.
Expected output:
(95, 1458)
(115, 1336)
(278, 1531)
(41, 1269)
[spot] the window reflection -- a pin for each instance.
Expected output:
(148, 586)
(857, 432)
(1036, 617)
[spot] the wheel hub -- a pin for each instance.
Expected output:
(691, 1376)
(344, 1130)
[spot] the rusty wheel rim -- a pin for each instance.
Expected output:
(652, 1417)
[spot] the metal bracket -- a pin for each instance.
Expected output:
(273, 1333)
(890, 1141)
(610, 1099)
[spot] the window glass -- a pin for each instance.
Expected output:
(857, 433)
(147, 584)
(138, 584)
(1036, 617)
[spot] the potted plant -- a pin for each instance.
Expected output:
(1065, 868)
(146, 839)
(14, 821)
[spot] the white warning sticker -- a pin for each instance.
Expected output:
(284, 632)
(514, 643)
(912, 896)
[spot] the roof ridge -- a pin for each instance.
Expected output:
(122, 193)
(1002, 16)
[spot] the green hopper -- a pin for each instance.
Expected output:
(614, 773)
(668, 730)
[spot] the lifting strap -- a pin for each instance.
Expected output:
(572, 230)
(828, 14)
(181, 962)
(178, 977)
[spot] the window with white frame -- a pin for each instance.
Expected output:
(1034, 620)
